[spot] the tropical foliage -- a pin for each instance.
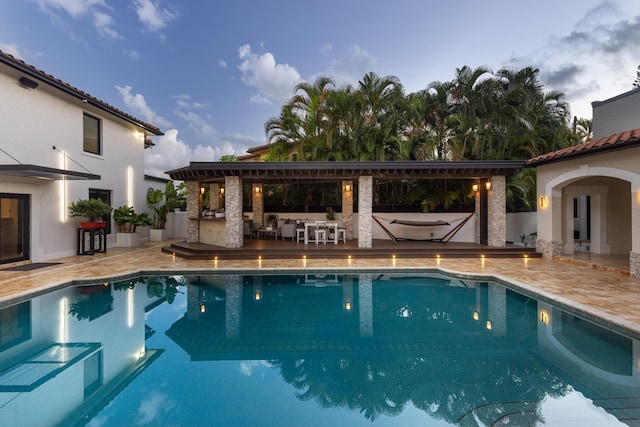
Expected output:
(479, 115)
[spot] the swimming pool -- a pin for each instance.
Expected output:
(340, 349)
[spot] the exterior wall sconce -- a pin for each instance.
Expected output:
(347, 188)
(256, 190)
(488, 185)
(543, 201)
(475, 188)
(222, 191)
(202, 190)
(544, 318)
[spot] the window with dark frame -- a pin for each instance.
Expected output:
(91, 142)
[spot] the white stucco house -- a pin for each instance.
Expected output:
(60, 144)
(589, 194)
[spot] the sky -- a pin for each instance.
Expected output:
(209, 74)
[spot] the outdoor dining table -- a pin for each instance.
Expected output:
(309, 226)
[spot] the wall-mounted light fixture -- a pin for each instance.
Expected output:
(28, 83)
(256, 189)
(487, 185)
(221, 191)
(543, 201)
(544, 318)
(475, 188)
(347, 188)
(202, 190)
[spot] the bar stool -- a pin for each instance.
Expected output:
(342, 234)
(321, 232)
(299, 235)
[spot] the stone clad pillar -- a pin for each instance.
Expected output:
(365, 209)
(233, 211)
(634, 255)
(258, 204)
(194, 209)
(347, 207)
(497, 212)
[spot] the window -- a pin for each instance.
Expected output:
(15, 325)
(91, 135)
(14, 227)
(92, 373)
(105, 196)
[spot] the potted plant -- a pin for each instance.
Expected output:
(155, 198)
(330, 214)
(91, 209)
(272, 221)
(127, 221)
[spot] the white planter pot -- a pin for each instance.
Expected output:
(126, 240)
(157, 234)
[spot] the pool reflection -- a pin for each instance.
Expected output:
(375, 344)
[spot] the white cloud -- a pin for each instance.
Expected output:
(104, 24)
(11, 49)
(197, 123)
(78, 9)
(138, 106)
(350, 68)
(132, 54)
(222, 63)
(326, 48)
(152, 15)
(274, 82)
(170, 152)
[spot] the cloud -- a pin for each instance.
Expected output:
(222, 63)
(170, 152)
(326, 48)
(132, 54)
(197, 123)
(152, 407)
(351, 67)
(11, 49)
(79, 9)
(137, 104)
(273, 81)
(152, 15)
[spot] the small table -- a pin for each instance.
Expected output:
(268, 232)
(310, 227)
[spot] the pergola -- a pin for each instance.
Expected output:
(234, 174)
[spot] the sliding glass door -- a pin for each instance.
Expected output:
(14, 227)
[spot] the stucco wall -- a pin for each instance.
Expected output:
(616, 114)
(33, 121)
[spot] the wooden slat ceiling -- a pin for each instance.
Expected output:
(307, 172)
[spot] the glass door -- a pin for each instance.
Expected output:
(14, 227)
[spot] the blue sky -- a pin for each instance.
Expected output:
(210, 73)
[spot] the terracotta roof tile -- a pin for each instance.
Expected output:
(56, 82)
(613, 142)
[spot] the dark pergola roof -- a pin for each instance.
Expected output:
(300, 172)
(44, 173)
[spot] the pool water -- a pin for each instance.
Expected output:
(320, 349)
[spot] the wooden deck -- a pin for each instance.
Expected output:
(286, 249)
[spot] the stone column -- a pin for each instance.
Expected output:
(258, 204)
(477, 215)
(498, 309)
(233, 305)
(347, 207)
(365, 209)
(634, 255)
(194, 210)
(233, 211)
(365, 304)
(214, 197)
(497, 212)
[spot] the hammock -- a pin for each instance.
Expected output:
(443, 239)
